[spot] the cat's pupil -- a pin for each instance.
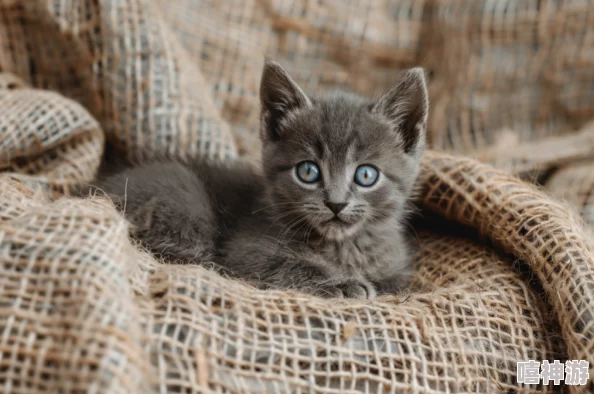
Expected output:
(366, 175)
(308, 172)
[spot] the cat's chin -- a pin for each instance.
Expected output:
(336, 230)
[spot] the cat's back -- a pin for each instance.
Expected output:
(235, 188)
(181, 211)
(227, 190)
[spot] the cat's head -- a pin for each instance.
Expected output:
(339, 163)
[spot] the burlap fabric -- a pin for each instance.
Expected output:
(506, 272)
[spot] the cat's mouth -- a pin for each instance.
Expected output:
(338, 223)
(337, 220)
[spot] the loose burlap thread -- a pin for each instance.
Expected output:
(85, 309)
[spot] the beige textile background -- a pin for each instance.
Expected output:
(84, 310)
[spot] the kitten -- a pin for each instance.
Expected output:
(328, 214)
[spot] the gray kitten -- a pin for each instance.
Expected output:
(327, 216)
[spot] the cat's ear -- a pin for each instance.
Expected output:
(279, 95)
(406, 108)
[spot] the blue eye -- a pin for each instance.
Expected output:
(308, 172)
(366, 175)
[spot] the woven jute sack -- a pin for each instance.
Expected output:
(85, 310)
(46, 139)
(174, 78)
(505, 272)
(140, 66)
(120, 62)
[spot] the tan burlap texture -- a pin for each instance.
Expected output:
(506, 270)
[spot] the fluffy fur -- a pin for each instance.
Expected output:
(274, 229)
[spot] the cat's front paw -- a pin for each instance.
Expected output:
(351, 288)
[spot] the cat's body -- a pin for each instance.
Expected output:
(327, 215)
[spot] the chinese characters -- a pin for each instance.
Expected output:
(573, 372)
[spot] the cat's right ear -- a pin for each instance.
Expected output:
(279, 96)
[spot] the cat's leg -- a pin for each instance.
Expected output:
(311, 277)
(168, 209)
(175, 236)
(348, 288)
(255, 263)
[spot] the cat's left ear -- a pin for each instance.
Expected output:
(406, 107)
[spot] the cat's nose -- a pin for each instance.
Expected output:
(336, 207)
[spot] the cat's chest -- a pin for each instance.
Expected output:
(363, 255)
